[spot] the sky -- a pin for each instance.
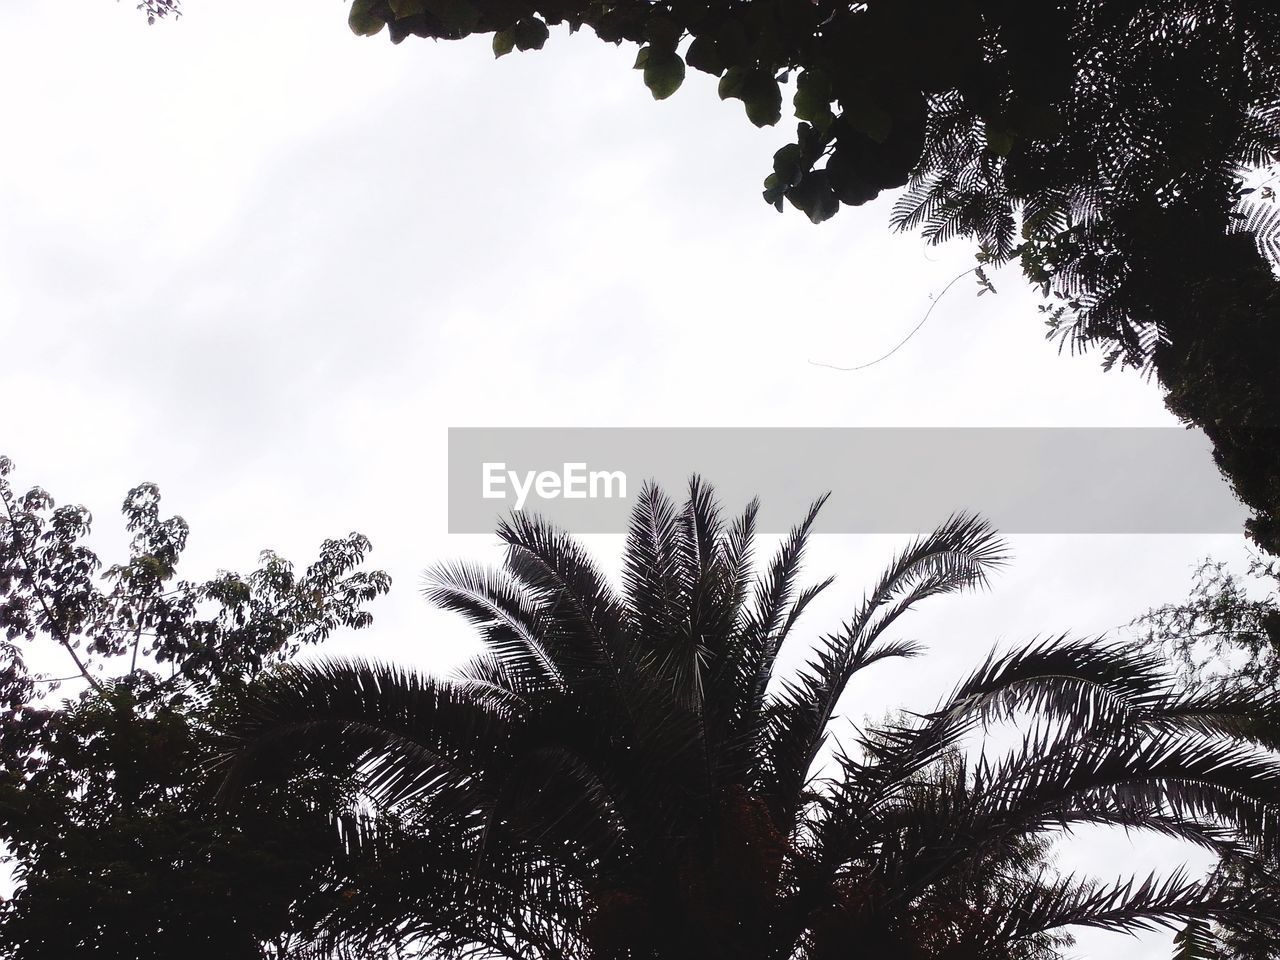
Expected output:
(267, 264)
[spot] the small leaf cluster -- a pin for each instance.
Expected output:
(155, 10)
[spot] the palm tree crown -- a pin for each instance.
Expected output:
(626, 773)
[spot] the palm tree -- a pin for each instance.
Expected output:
(626, 773)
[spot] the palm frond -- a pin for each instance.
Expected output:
(585, 636)
(510, 621)
(402, 734)
(958, 555)
(627, 775)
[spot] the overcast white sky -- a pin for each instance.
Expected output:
(265, 264)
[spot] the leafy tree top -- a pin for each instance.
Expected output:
(106, 800)
(1225, 636)
(630, 773)
(1003, 115)
(1106, 146)
(1227, 630)
(139, 619)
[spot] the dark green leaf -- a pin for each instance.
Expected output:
(774, 190)
(815, 197)
(732, 82)
(788, 164)
(812, 100)
(363, 23)
(663, 74)
(504, 41)
(704, 55)
(762, 97)
(530, 34)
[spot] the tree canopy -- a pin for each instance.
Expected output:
(1227, 630)
(106, 796)
(632, 773)
(1226, 636)
(1112, 148)
(1120, 151)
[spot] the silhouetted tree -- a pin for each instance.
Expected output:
(631, 773)
(1226, 631)
(105, 798)
(1225, 636)
(1103, 144)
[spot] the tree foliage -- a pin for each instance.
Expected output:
(1225, 637)
(1226, 631)
(106, 811)
(629, 772)
(1104, 145)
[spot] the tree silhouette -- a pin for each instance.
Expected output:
(632, 773)
(1225, 636)
(1105, 145)
(1108, 146)
(106, 815)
